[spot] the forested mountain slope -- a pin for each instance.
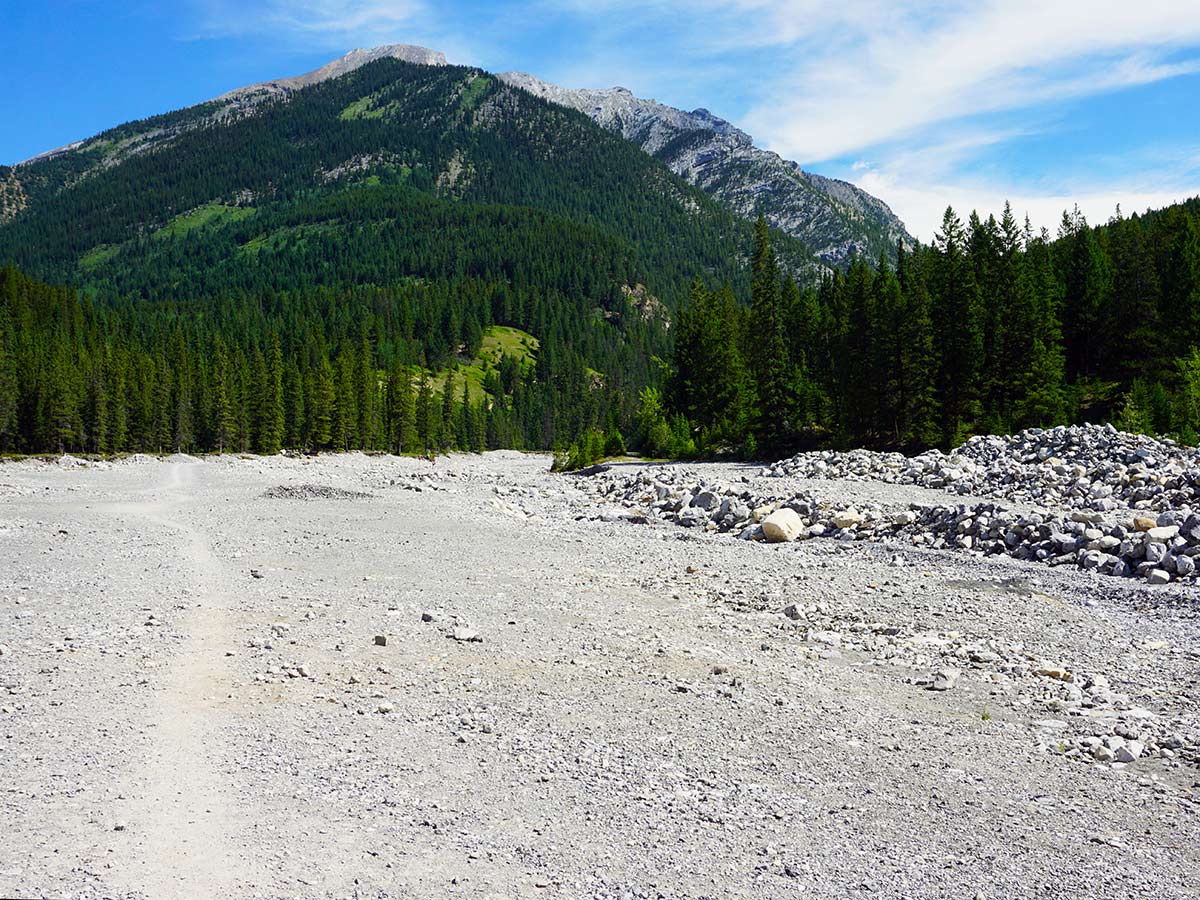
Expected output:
(377, 221)
(101, 210)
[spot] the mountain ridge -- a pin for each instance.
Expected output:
(343, 65)
(274, 88)
(835, 219)
(722, 160)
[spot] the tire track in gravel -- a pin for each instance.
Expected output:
(182, 811)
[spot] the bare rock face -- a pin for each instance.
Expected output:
(718, 158)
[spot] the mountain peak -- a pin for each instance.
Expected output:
(355, 59)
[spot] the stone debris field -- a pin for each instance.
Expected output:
(973, 674)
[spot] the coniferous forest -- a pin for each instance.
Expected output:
(990, 329)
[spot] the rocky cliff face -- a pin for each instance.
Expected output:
(834, 218)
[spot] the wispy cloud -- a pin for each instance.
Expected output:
(313, 23)
(889, 76)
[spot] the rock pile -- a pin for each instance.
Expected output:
(1092, 467)
(1158, 548)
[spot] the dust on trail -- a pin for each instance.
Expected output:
(181, 804)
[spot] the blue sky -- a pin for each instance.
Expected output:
(924, 103)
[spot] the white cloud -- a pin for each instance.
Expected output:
(921, 204)
(893, 74)
(321, 22)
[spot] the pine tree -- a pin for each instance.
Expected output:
(447, 426)
(958, 330)
(887, 357)
(426, 421)
(294, 407)
(366, 385)
(322, 411)
(272, 415)
(862, 381)
(479, 428)
(1181, 284)
(919, 411)
(164, 409)
(96, 422)
(223, 416)
(462, 422)
(768, 353)
(400, 411)
(9, 390)
(60, 414)
(118, 403)
(1086, 302)
(345, 407)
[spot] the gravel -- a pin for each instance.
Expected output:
(654, 710)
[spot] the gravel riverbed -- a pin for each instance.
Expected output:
(357, 676)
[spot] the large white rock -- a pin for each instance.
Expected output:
(782, 525)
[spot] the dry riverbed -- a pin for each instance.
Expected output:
(369, 677)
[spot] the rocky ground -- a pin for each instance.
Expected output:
(371, 677)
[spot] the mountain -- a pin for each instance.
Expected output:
(397, 120)
(835, 219)
(355, 59)
(379, 215)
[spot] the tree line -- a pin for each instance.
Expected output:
(992, 328)
(338, 371)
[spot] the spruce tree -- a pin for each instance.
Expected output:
(861, 380)
(367, 388)
(958, 330)
(272, 415)
(294, 407)
(223, 415)
(426, 420)
(324, 401)
(447, 430)
(768, 353)
(9, 390)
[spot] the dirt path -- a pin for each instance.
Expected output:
(187, 831)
